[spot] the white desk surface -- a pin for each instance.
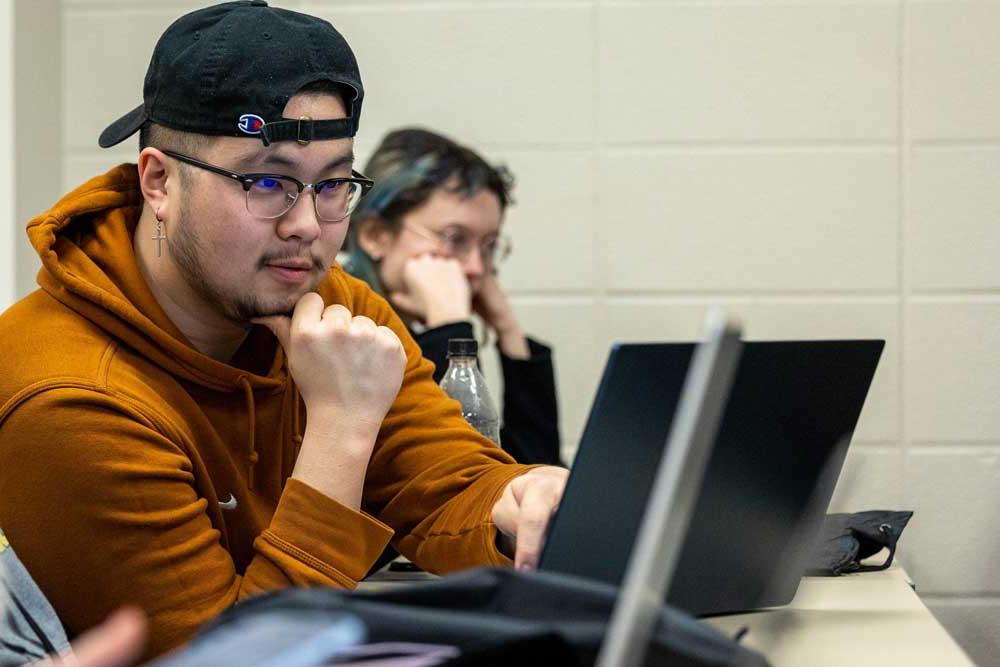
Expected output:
(869, 618)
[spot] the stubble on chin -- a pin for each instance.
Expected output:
(252, 305)
(240, 302)
(246, 309)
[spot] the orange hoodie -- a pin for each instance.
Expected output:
(119, 441)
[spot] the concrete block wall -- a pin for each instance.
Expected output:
(8, 226)
(821, 167)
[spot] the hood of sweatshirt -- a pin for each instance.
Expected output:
(88, 264)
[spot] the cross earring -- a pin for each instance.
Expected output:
(159, 237)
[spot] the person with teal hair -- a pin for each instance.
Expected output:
(428, 239)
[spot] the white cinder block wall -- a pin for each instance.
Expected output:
(822, 168)
(8, 225)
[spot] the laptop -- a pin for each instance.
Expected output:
(780, 446)
(675, 489)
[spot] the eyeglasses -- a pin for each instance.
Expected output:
(270, 196)
(458, 243)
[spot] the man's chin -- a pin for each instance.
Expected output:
(257, 308)
(266, 301)
(270, 312)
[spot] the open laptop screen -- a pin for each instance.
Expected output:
(792, 410)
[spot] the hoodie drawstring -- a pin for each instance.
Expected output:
(252, 456)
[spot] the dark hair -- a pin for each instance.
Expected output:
(160, 136)
(408, 166)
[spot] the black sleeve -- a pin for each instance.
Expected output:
(434, 344)
(530, 431)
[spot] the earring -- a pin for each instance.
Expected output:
(159, 237)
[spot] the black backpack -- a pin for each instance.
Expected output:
(484, 617)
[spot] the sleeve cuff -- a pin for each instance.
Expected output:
(325, 535)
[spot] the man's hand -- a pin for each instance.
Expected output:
(523, 512)
(349, 372)
(339, 362)
(437, 291)
(118, 642)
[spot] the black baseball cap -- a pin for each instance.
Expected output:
(229, 70)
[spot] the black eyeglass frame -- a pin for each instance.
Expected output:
(248, 181)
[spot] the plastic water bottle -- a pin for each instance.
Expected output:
(463, 382)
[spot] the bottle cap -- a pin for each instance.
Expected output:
(462, 347)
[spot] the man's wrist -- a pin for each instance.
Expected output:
(334, 458)
(351, 432)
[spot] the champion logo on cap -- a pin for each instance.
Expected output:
(251, 123)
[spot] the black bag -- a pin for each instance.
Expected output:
(492, 616)
(847, 539)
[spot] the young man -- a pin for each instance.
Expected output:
(156, 447)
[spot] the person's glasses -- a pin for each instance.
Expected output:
(458, 244)
(270, 196)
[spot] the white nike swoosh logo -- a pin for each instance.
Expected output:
(229, 504)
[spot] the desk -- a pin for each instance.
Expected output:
(870, 618)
